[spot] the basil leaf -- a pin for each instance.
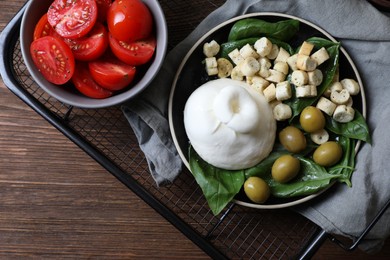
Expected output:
(346, 165)
(321, 42)
(311, 179)
(252, 27)
(356, 129)
(219, 186)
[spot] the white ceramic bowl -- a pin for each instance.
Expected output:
(34, 11)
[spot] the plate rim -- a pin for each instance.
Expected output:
(216, 28)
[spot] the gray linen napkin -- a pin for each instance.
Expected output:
(365, 33)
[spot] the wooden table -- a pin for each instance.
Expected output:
(55, 201)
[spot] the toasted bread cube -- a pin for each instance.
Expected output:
(306, 63)
(235, 56)
(281, 66)
(270, 92)
(248, 51)
(326, 106)
(283, 55)
(306, 48)
(274, 52)
(292, 62)
(283, 91)
(320, 56)
(276, 76)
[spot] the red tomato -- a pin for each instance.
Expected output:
(91, 46)
(84, 83)
(53, 58)
(112, 73)
(134, 53)
(103, 6)
(72, 19)
(43, 28)
(129, 20)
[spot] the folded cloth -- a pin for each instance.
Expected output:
(365, 33)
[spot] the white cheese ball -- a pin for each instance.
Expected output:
(230, 125)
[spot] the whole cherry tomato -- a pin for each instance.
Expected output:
(129, 20)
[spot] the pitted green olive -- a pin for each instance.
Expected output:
(256, 189)
(292, 139)
(285, 168)
(312, 119)
(328, 154)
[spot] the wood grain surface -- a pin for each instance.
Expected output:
(56, 202)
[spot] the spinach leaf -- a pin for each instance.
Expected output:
(219, 186)
(321, 42)
(252, 27)
(229, 46)
(356, 129)
(328, 69)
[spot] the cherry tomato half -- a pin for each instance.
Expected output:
(84, 83)
(103, 6)
(111, 73)
(134, 53)
(91, 46)
(72, 19)
(129, 20)
(43, 28)
(53, 58)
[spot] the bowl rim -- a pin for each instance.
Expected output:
(201, 40)
(79, 100)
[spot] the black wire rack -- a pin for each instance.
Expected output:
(237, 233)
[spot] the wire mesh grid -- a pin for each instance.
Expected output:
(239, 233)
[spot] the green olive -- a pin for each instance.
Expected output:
(256, 189)
(285, 168)
(312, 119)
(292, 139)
(328, 154)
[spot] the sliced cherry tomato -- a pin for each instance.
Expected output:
(129, 20)
(84, 83)
(103, 6)
(134, 53)
(43, 28)
(91, 46)
(53, 58)
(112, 73)
(72, 18)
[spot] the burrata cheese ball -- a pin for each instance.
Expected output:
(229, 124)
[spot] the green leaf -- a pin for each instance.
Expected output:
(252, 27)
(311, 179)
(219, 186)
(320, 42)
(356, 129)
(346, 165)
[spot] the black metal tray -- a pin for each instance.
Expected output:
(105, 135)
